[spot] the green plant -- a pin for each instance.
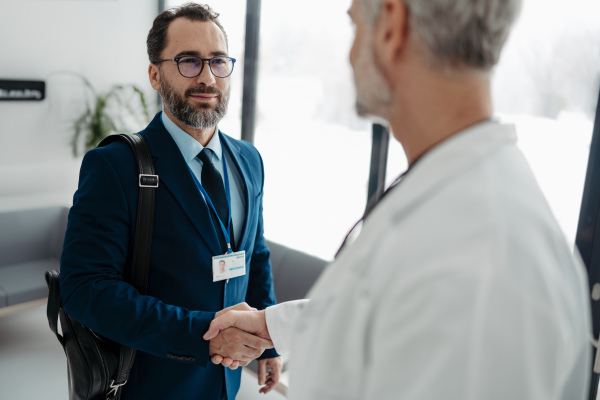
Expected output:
(122, 109)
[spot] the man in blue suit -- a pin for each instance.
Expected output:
(195, 163)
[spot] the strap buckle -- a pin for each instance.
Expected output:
(150, 181)
(114, 389)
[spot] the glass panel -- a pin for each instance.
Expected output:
(233, 18)
(316, 150)
(547, 85)
(396, 163)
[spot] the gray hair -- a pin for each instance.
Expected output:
(460, 34)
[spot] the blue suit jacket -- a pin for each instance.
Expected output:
(167, 324)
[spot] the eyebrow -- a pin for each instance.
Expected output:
(196, 54)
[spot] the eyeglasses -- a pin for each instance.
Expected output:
(191, 67)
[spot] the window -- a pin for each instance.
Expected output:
(316, 150)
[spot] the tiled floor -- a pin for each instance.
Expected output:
(33, 365)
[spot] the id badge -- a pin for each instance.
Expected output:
(229, 266)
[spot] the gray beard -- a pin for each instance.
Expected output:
(196, 118)
(373, 95)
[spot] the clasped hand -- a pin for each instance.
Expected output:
(239, 334)
(236, 344)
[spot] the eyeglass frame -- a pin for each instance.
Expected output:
(177, 59)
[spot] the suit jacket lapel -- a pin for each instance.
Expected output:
(175, 175)
(243, 166)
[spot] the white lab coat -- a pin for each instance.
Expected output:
(460, 286)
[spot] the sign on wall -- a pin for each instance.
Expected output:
(13, 90)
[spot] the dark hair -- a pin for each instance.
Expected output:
(157, 37)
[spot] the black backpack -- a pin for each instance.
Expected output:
(99, 367)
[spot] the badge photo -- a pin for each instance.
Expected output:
(229, 266)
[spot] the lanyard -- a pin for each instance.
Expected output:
(210, 203)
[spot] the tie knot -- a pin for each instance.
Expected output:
(204, 156)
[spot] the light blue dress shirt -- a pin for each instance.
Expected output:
(190, 148)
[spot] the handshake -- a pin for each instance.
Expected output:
(239, 334)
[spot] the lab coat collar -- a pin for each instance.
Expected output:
(448, 159)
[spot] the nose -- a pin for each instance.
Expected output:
(352, 53)
(206, 77)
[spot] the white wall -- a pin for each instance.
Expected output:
(104, 40)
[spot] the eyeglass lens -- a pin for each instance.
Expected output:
(190, 67)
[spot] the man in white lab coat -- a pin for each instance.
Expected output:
(460, 284)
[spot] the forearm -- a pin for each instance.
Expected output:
(261, 294)
(116, 310)
(281, 320)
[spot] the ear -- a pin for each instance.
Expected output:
(154, 75)
(390, 34)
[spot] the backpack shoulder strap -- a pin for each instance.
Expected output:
(137, 273)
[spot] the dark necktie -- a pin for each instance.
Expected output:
(212, 182)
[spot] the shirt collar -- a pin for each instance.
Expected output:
(188, 146)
